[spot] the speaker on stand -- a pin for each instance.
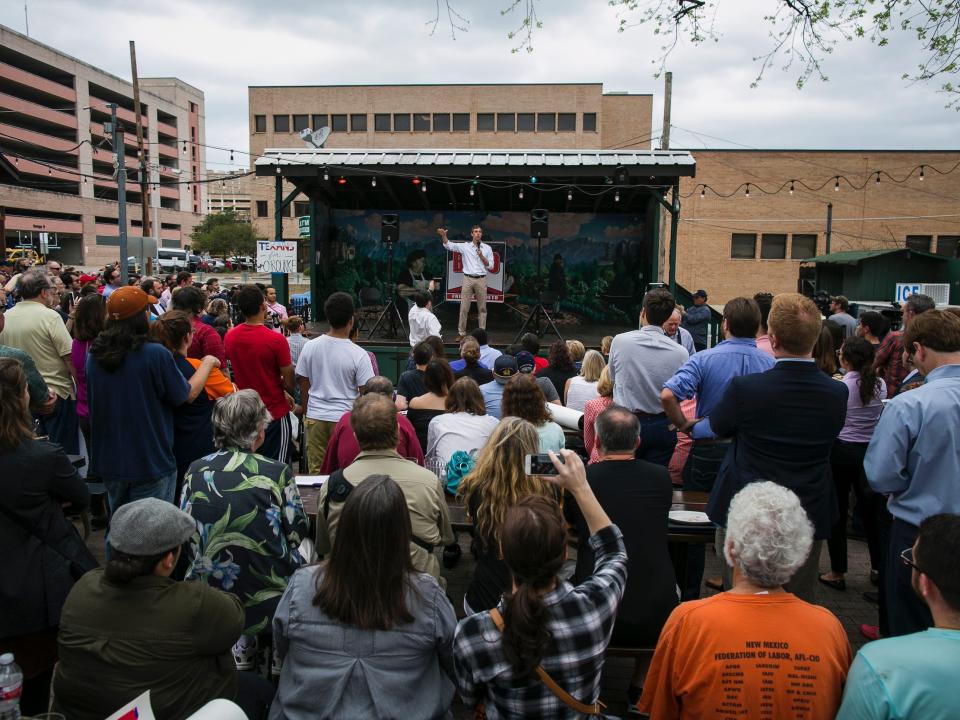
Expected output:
(539, 228)
(391, 317)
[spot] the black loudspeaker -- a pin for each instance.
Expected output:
(539, 223)
(390, 228)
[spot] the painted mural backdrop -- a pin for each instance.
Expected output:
(599, 277)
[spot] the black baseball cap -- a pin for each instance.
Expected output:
(505, 368)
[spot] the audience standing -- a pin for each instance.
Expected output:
(365, 634)
(331, 370)
(764, 300)
(260, 359)
(872, 327)
(783, 423)
(641, 361)
(295, 338)
(42, 400)
(275, 309)
(465, 426)
(914, 454)
(523, 398)
(678, 334)
(839, 313)
(697, 320)
(889, 363)
(206, 340)
(759, 634)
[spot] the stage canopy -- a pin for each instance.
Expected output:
(478, 182)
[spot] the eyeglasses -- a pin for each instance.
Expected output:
(907, 557)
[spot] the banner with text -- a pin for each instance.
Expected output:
(495, 290)
(275, 256)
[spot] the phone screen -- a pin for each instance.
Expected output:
(540, 464)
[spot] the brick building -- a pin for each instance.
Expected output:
(52, 135)
(227, 191)
(727, 246)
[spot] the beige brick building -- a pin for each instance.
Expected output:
(227, 191)
(52, 134)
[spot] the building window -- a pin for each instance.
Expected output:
(803, 247)
(281, 123)
(589, 122)
(567, 122)
(285, 212)
(259, 123)
(358, 122)
(441, 122)
(773, 246)
(919, 242)
(525, 122)
(338, 123)
(193, 107)
(743, 246)
(948, 245)
(484, 122)
(261, 208)
(301, 208)
(401, 122)
(461, 122)
(421, 122)
(300, 122)
(546, 122)
(319, 121)
(381, 122)
(506, 122)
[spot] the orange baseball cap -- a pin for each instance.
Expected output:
(127, 301)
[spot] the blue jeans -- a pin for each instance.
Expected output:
(699, 473)
(906, 613)
(657, 440)
(121, 492)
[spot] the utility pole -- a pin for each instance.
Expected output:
(828, 235)
(141, 154)
(665, 145)
(121, 189)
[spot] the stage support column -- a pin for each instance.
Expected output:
(314, 260)
(674, 220)
(280, 281)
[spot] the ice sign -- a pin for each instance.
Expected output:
(278, 256)
(905, 290)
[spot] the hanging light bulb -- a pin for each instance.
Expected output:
(16, 161)
(570, 195)
(616, 196)
(791, 187)
(748, 190)
(836, 184)
(703, 191)
(231, 156)
(49, 171)
(184, 145)
(878, 179)
(423, 187)
(326, 175)
(342, 180)
(921, 172)
(521, 194)
(373, 182)
(416, 181)
(472, 192)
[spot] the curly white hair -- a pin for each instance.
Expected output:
(769, 535)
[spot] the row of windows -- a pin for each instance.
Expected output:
(431, 122)
(947, 245)
(297, 207)
(773, 246)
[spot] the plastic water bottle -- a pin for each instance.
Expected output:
(11, 684)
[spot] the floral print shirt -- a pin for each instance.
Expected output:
(250, 522)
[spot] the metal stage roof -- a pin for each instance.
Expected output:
(600, 180)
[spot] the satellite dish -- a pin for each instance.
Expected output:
(315, 138)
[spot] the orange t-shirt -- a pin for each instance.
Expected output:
(756, 656)
(217, 384)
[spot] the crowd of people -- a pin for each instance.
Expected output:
(186, 403)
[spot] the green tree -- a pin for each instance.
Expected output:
(224, 234)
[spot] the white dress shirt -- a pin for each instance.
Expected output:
(471, 263)
(423, 324)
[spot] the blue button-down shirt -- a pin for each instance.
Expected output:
(708, 373)
(915, 451)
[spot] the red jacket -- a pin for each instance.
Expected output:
(343, 448)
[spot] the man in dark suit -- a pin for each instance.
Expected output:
(783, 423)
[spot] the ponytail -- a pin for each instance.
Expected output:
(860, 354)
(533, 544)
(171, 329)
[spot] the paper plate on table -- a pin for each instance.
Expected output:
(689, 517)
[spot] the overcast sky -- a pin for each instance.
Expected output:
(222, 47)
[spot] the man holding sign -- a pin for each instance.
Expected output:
(477, 259)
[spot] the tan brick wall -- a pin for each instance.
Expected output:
(707, 224)
(620, 119)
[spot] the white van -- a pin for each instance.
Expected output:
(171, 260)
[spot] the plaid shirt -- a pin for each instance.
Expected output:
(580, 620)
(889, 362)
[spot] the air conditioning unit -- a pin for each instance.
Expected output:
(940, 292)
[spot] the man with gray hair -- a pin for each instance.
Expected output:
(755, 647)
(637, 494)
(38, 330)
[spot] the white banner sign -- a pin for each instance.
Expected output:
(494, 277)
(277, 256)
(905, 290)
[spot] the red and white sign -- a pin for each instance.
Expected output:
(494, 276)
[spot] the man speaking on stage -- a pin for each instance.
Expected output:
(477, 262)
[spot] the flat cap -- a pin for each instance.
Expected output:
(149, 527)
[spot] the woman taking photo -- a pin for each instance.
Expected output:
(38, 480)
(438, 378)
(364, 634)
(543, 621)
(561, 367)
(864, 404)
(495, 485)
(582, 388)
(523, 398)
(465, 426)
(192, 428)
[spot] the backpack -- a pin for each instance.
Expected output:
(458, 467)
